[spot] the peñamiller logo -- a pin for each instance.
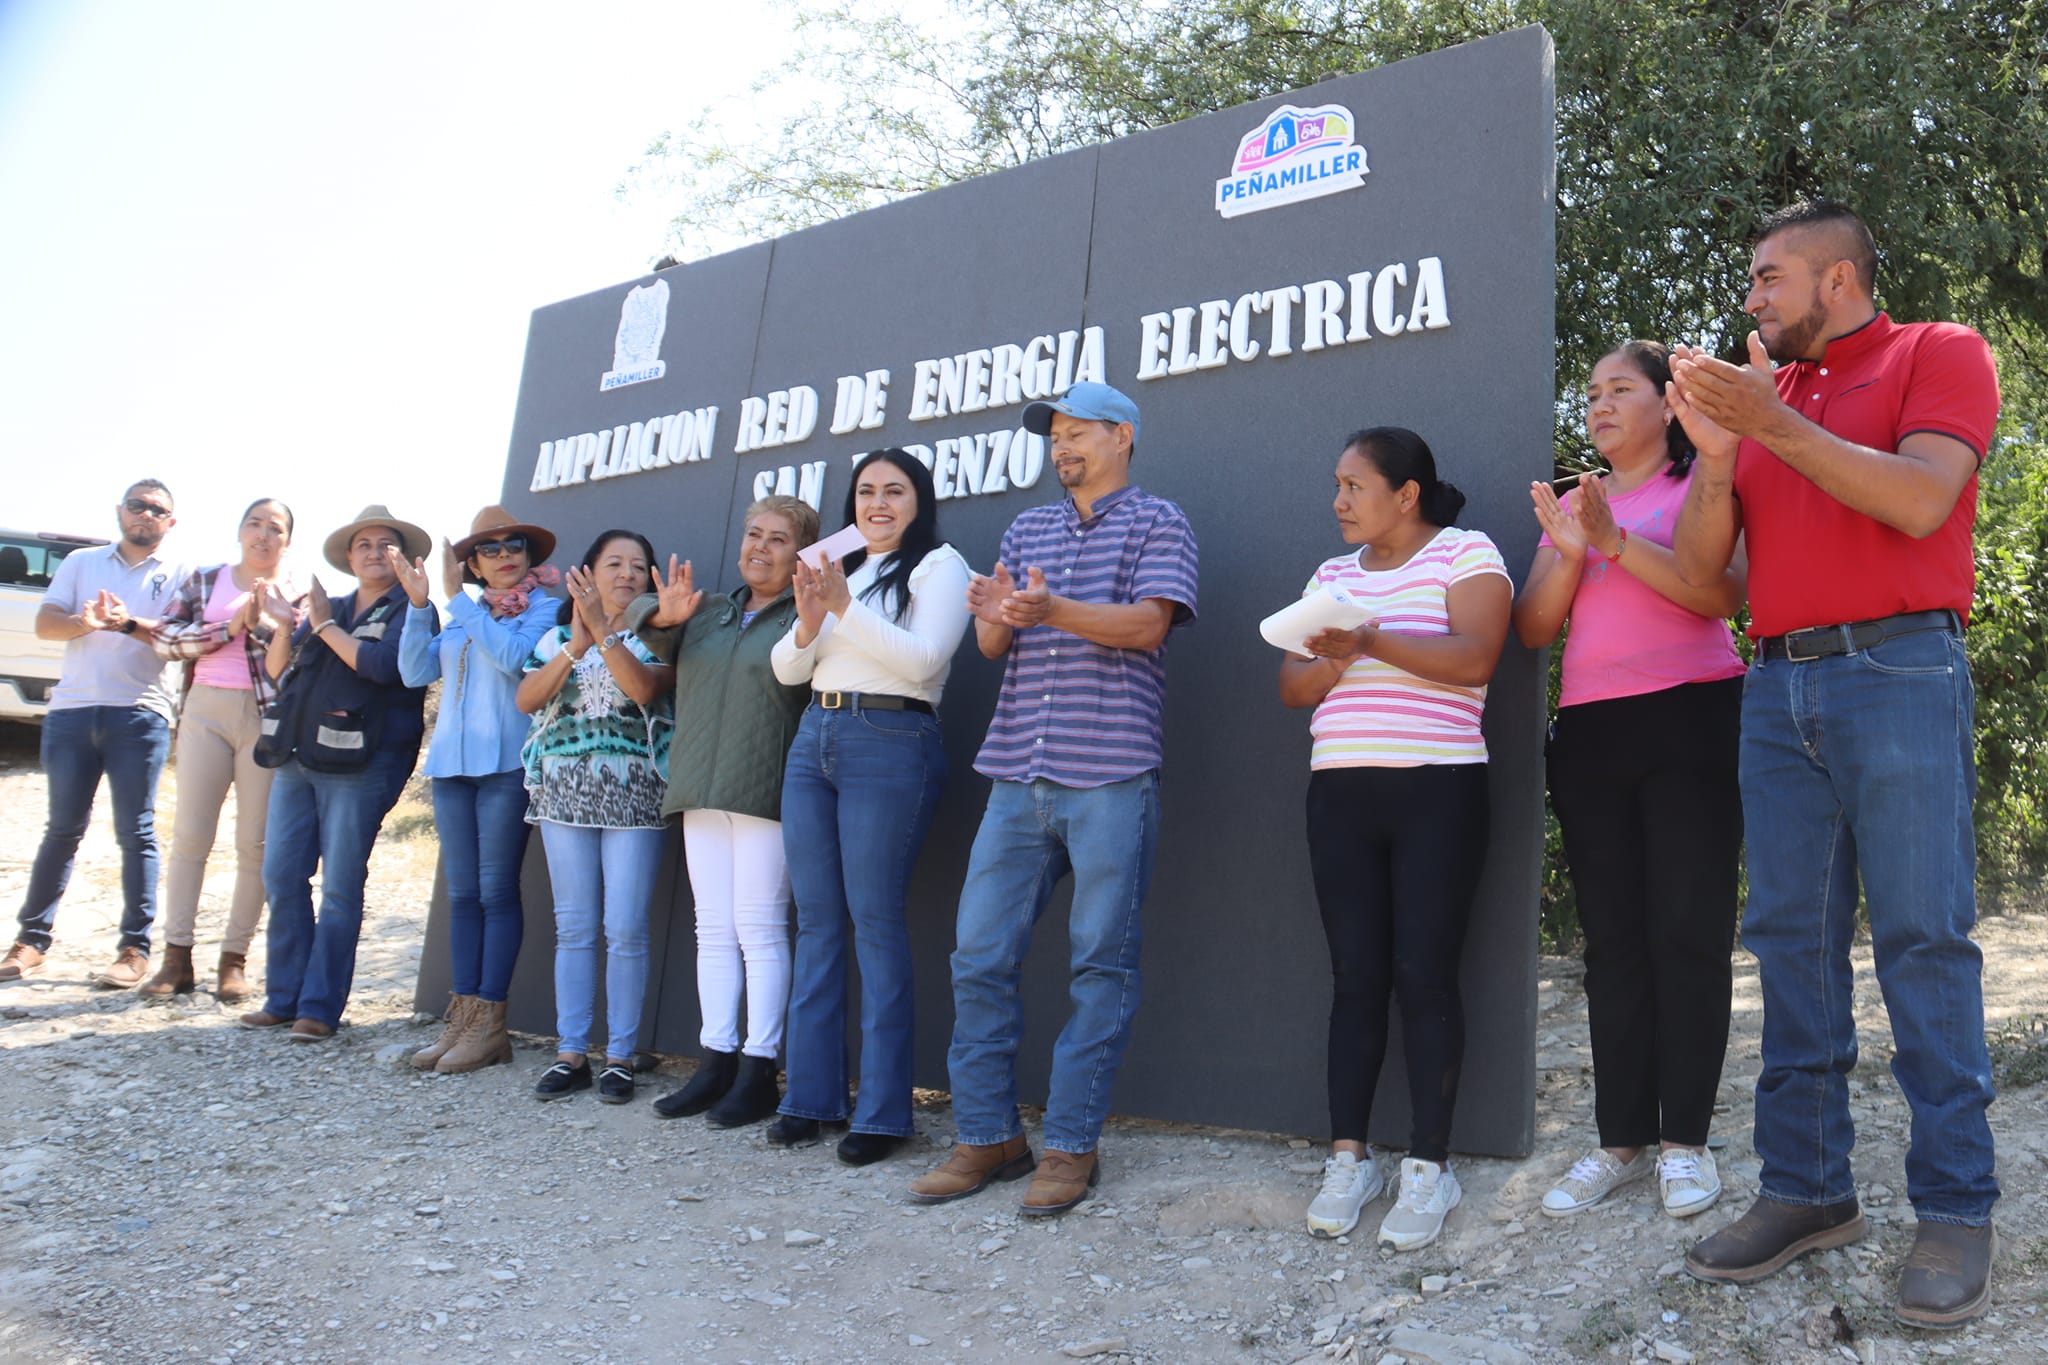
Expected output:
(1295, 154)
(636, 353)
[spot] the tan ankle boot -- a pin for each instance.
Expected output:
(231, 978)
(483, 1043)
(174, 976)
(459, 1009)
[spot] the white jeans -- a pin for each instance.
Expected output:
(741, 885)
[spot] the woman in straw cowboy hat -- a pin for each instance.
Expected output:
(345, 650)
(479, 779)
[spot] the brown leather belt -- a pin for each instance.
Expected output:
(1821, 642)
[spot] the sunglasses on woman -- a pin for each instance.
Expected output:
(495, 549)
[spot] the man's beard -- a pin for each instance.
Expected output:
(1795, 339)
(146, 535)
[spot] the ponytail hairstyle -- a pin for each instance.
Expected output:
(1652, 360)
(1401, 457)
(589, 561)
(891, 588)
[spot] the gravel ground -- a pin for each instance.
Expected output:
(173, 1188)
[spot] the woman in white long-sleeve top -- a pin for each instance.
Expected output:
(474, 759)
(874, 637)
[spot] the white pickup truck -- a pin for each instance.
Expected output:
(29, 665)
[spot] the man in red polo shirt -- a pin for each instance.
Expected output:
(1851, 473)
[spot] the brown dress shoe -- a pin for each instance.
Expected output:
(1063, 1180)
(21, 960)
(1946, 1280)
(262, 1019)
(232, 978)
(309, 1031)
(127, 971)
(173, 974)
(969, 1169)
(1770, 1236)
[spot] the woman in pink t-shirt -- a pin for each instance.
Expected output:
(1642, 762)
(221, 624)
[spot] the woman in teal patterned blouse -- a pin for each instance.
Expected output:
(596, 768)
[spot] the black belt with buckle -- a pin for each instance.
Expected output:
(870, 701)
(1821, 642)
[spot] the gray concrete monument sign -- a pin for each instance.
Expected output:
(1375, 249)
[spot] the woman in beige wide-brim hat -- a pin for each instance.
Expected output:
(474, 760)
(329, 819)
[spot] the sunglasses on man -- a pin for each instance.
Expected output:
(498, 549)
(137, 507)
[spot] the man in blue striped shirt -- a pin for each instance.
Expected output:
(1083, 595)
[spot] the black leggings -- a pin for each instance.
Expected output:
(1645, 791)
(1396, 855)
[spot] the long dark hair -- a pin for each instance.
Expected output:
(589, 559)
(1400, 455)
(1652, 360)
(892, 585)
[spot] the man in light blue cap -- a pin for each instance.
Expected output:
(1083, 594)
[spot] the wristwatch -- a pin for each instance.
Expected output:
(608, 642)
(127, 627)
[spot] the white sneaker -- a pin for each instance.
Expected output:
(1348, 1186)
(1592, 1178)
(1688, 1181)
(1428, 1192)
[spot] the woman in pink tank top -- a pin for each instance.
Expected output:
(221, 624)
(1642, 768)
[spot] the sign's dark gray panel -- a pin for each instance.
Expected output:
(1458, 151)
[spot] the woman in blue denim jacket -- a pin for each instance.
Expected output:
(473, 758)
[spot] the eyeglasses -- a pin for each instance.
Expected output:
(497, 549)
(137, 507)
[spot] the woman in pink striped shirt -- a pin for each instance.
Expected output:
(1397, 809)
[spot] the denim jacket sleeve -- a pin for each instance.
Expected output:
(419, 662)
(505, 643)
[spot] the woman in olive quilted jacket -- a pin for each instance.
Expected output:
(734, 726)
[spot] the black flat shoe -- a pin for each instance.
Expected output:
(562, 1080)
(790, 1131)
(865, 1149)
(615, 1083)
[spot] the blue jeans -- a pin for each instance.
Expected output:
(328, 819)
(1861, 766)
(1032, 835)
(483, 829)
(857, 799)
(128, 744)
(613, 869)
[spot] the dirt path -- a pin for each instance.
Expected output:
(173, 1188)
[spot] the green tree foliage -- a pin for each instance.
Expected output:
(1679, 124)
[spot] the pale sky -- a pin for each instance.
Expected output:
(290, 250)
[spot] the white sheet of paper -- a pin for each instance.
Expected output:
(839, 545)
(1312, 615)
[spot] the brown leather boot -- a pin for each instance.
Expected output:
(483, 1043)
(458, 1021)
(1771, 1235)
(1063, 1180)
(231, 978)
(1946, 1279)
(173, 974)
(969, 1169)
